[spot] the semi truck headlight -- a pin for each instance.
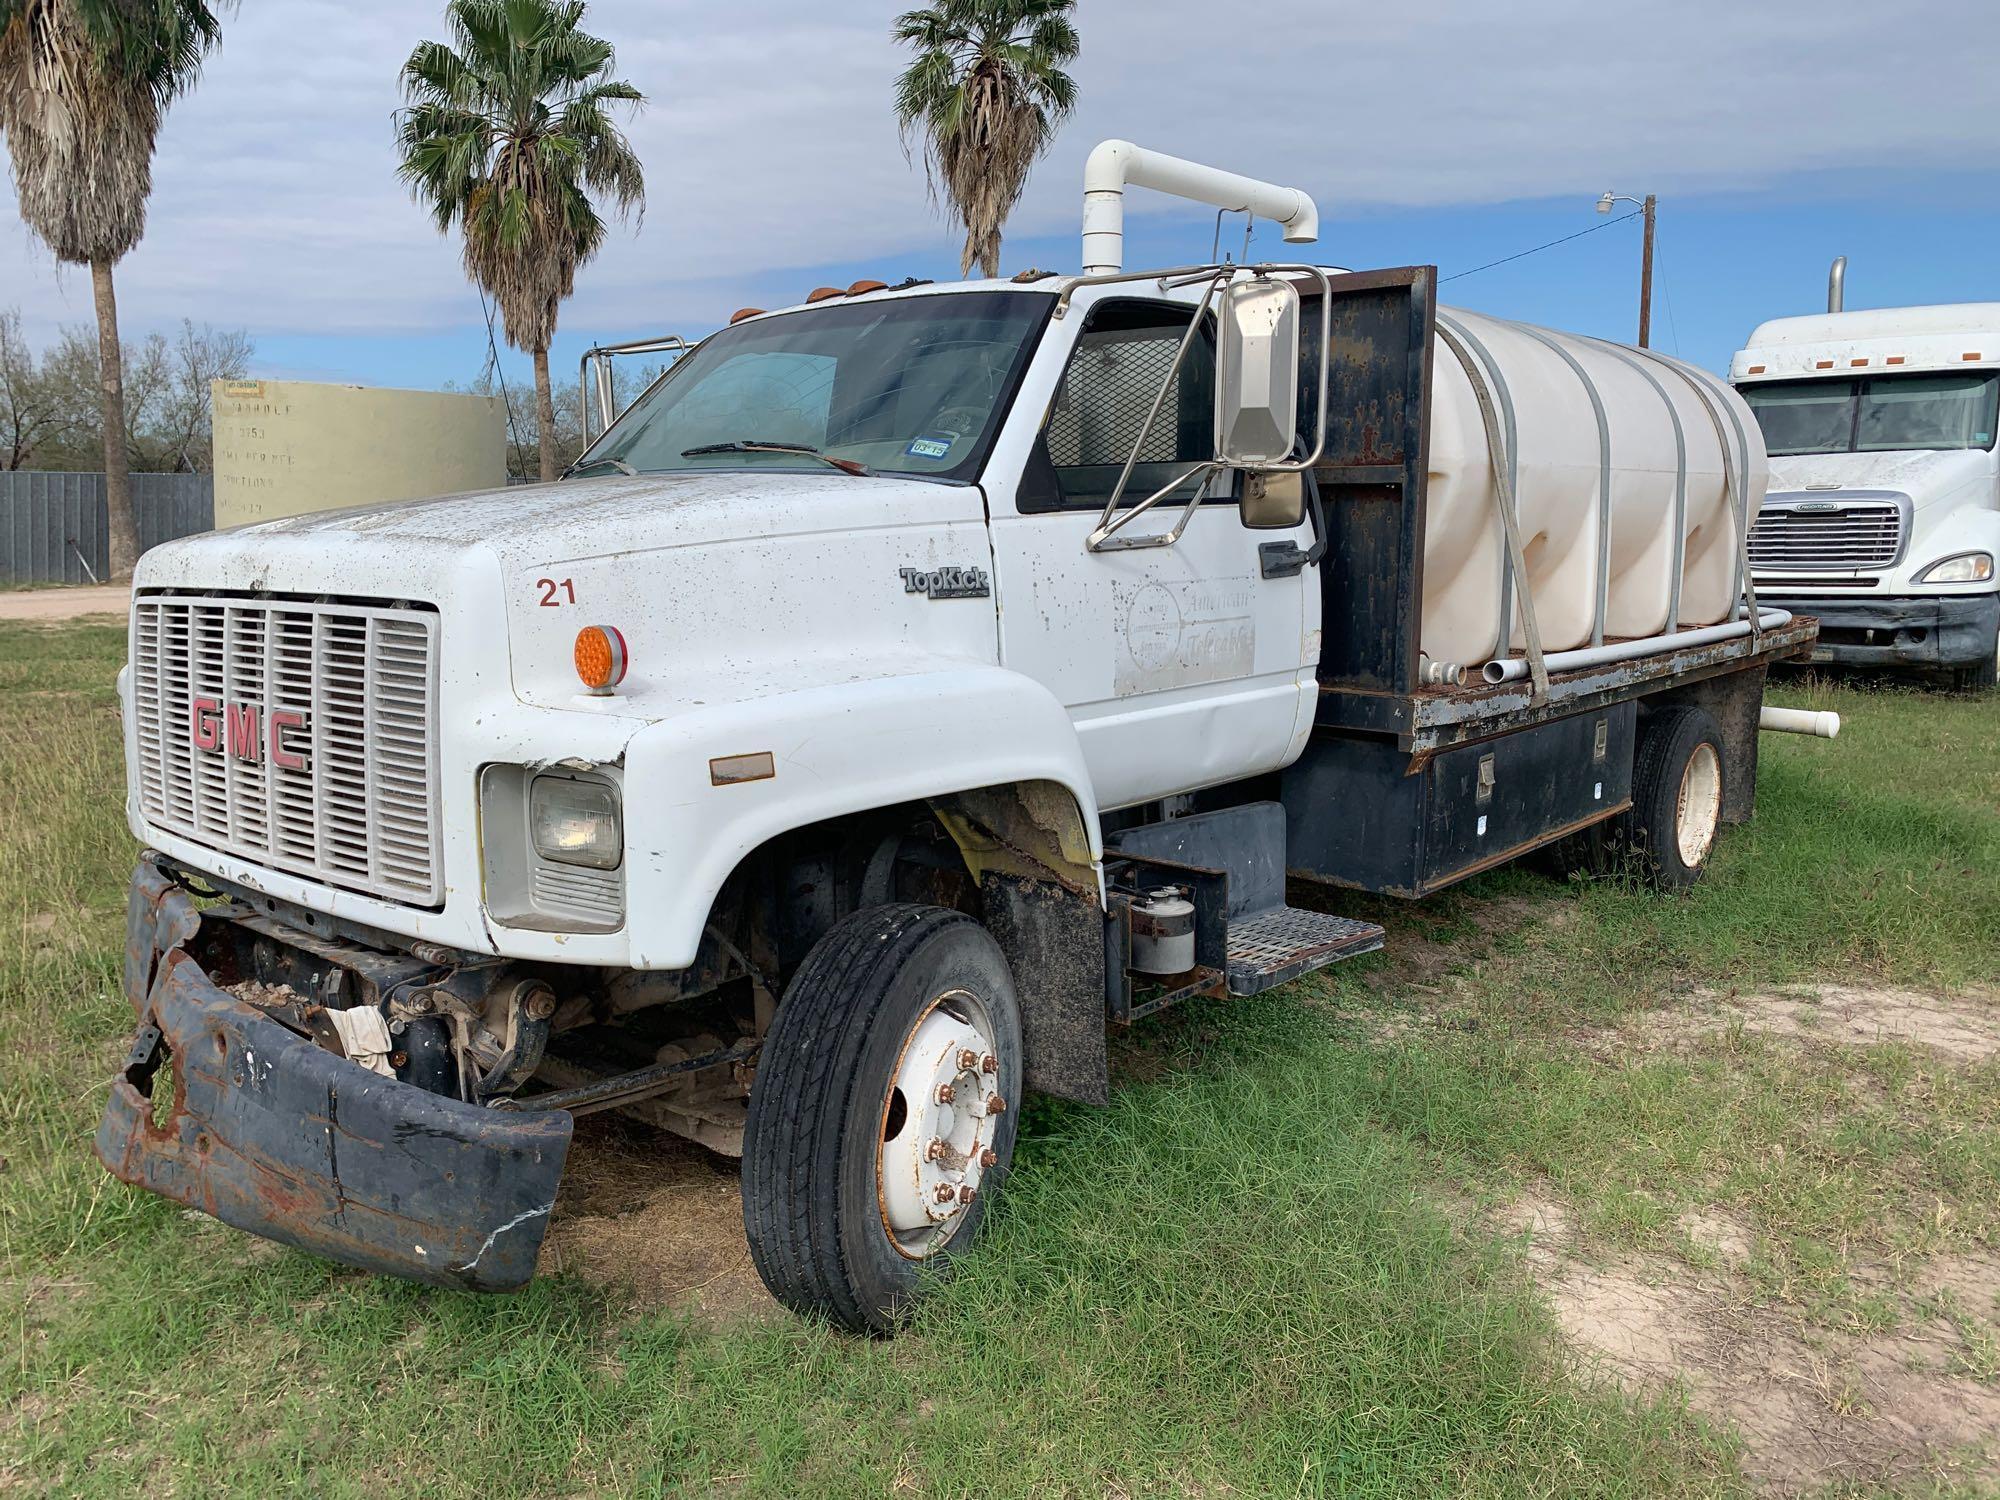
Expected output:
(575, 822)
(1966, 567)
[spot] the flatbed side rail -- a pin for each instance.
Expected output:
(1430, 719)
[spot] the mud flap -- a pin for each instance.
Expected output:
(270, 1133)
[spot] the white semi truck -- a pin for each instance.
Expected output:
(908, 684)
(1883, 518)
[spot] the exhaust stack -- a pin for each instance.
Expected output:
(1115, 165)
(1836, 285)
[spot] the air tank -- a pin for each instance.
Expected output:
(1633, 473)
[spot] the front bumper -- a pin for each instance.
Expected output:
(1899, 631)
(271, 1133)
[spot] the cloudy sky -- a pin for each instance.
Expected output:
(1776, 132)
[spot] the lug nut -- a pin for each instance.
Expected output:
(995, 1105)
(946, 1192)
(966, 1194)
(989, 1064)
(934, 1150)
(945, 1094)
(989, 1157)
(967, 1060)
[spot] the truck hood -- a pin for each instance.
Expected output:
(1927, 477)
(538, 523)
(725, 585)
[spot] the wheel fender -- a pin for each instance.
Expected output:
(834, 748)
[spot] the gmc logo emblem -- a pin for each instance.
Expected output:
(245, 731)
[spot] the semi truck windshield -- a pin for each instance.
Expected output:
(1877, 413)
(906, 385)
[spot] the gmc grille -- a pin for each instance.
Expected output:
(1855, 534)
(293, 733)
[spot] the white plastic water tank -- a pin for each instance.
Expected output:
(1655, 549)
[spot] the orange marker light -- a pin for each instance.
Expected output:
(1973, 355)
(821, 293)
(1822, 364)
(1894, 359)
(1857, 363)
(1756, 370)
(745, 312)
(600, 657)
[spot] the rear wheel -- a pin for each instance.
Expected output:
(1677, 791)
(883, 1113)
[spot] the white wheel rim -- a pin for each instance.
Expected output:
(1698, 809)
(938, 1124)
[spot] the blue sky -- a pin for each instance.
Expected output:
(1777, 135)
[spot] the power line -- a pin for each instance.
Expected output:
(1539, 248)
(493, 364)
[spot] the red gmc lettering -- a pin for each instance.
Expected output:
(205, 723)
(282, 758)
(243, 737)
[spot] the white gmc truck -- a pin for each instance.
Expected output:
(1883, 516)
(909, 683)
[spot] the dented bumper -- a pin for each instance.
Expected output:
(271, 1133)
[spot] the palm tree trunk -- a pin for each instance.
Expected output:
(117, 462)
(545, 415)
(989, 255)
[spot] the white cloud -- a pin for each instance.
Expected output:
(769, 142)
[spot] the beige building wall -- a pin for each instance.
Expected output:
(283, 447)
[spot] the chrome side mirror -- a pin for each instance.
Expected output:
(1274, 502)
(1256, 373)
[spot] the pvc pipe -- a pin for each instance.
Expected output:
(1115, 165)
(1513, 668)
(1824, 726)
(1441, 673)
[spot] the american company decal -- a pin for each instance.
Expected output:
(245, 732)
(946, 583)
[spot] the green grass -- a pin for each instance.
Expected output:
(1255, 1274)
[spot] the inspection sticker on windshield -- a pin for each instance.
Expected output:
(928, 447)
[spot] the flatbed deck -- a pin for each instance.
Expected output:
(1436, 718)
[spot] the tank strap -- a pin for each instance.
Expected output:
(1739, 491)
(1603, 604)
(1635, 358)
(1456, 335)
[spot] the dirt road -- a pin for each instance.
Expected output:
(62, 604)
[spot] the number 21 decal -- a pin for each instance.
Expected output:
(548, 586)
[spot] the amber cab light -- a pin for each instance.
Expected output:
(600, 657)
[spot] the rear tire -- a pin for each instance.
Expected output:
(842, 1201)
(1677, 796)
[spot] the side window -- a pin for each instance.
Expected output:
(1124, 353)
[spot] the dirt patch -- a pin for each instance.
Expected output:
(64, 604)
(1965, 1027)
(1812, 1407)
(658, 1218)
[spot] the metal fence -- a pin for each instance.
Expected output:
(53, 527)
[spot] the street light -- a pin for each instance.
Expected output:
(1646, 265)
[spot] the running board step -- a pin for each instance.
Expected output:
(1276, 946)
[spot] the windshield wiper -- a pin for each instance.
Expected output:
(617, 463)
(752, 445)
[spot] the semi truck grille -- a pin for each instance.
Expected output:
(1851, 534)
(295, 734)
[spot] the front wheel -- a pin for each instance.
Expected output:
(1981, 676)
(883, 1113)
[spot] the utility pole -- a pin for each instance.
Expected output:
(1647, 207)
(1646, 281)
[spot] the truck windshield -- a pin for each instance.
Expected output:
(1877, 413)
(904, 385)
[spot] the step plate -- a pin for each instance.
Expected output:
(1279, 945)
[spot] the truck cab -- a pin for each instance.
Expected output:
(1883, 514)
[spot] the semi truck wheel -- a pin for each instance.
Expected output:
(1980, 677)
(883, 1113)
(1677, 786)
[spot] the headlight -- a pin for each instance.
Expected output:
(575, 822)
(1967, 567)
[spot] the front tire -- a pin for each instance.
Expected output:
(1981, 676)
(883, 1113)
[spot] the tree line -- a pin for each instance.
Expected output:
(51, 416)
(509, 136)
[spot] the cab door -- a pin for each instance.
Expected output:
(1182, 665)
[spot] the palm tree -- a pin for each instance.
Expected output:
(507, 134)
(987, 90)
(84, 87)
